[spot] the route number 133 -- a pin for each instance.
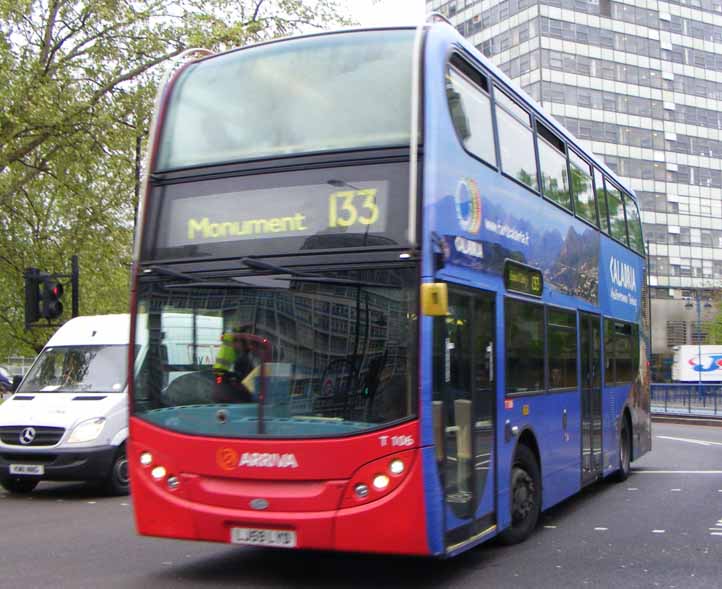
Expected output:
(348, 207)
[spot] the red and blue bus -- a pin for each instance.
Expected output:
(428, 300)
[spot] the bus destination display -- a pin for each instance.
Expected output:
(523, 279)
(291, 211)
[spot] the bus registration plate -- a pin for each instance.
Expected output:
(259, 537)
(27, 469)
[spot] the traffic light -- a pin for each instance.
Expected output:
(51, 307)
(43, 294)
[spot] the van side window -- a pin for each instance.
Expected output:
(470, 109)
(516, 140)
(553, 164)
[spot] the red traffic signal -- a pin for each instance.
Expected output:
(51, 307)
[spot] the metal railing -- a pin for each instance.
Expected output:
(695, 399)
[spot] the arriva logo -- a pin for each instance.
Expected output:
(710, 363)
(268, 460)
(622, 275)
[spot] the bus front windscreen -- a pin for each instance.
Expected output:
(278, 355)
(309, 95)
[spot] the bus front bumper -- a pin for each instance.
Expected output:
(393, 524)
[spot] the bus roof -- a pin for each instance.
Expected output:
(472, 51)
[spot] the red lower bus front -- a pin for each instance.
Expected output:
(362, 493)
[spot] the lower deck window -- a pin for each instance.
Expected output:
(562, 348)
(524, 346)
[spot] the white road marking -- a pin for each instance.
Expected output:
(601, 529)
(715, 529)
(678, 472)
(675, 490)
(715, 533)
(658, 531)
(550, 527)
(690, 441)
(92, 502)
(632, 489)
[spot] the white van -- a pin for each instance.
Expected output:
(68, 419)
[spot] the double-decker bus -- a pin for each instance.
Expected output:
(429, 302)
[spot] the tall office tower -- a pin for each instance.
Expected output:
(640, 83)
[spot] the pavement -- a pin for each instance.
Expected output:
(660, 528)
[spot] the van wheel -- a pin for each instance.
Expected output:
(19, 486)
(525, 497)
(118, 481)
(625, 452)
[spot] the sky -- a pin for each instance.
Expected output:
(385, 12)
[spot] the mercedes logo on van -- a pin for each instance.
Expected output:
(27, 436)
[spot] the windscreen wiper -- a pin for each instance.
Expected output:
(194, 281)
(301, 276)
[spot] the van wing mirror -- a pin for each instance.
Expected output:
(16, 383)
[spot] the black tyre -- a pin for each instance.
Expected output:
(525, 496)
(625, 452)
(118, 482)
(19, 485)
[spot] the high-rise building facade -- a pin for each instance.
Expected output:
(640, 83)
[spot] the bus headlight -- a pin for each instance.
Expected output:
(87, 431)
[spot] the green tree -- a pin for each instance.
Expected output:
(77, 83)
(714, 334)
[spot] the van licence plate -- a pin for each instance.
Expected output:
(27, 469)
(259, 537)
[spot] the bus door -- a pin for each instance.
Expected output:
(591, 358)
(463, 413)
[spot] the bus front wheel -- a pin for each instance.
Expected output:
(525, 496)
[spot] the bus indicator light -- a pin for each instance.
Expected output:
(508, 404)
(361, 490)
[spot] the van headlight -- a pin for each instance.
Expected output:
(87, 431)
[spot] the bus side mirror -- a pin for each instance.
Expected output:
(434, 299)
(16, 383)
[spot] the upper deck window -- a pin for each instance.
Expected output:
(584, 201)
(315, 94)
(634, 227)
(470, 109)
(553, 163)
(516, 140)
(616, 214)
(601, 200)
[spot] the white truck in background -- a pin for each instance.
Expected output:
(697, 364)
(68, 418)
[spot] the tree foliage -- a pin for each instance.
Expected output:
(77, 82)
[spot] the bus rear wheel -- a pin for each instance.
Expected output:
(625, 452)
(525, 497)
(19, 486)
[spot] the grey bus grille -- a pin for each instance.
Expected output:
(44, 436)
